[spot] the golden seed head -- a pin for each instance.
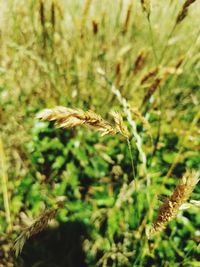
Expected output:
(171, 205)
(69, 118)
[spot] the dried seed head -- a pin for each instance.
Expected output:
(140, 61)
(149, 75)
(95, 26)
(171, 206)
(128, 16)
(120, 126)
(153, 87)
(118, 71)
(69, 118)
(183, 13)
(37, 226)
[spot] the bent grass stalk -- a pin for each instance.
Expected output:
(130, 120)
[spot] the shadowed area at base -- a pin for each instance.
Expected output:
(58, 247)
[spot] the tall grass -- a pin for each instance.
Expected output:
(136, 64)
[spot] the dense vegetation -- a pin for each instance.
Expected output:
(139, 58)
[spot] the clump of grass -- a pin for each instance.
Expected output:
(171, 206)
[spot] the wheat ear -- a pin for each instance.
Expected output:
(171, 206)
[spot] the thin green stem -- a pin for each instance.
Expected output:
(131, 156)
(4, 186)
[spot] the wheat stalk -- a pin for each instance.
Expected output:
(171, 206)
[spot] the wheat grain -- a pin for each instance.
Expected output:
(171, 206)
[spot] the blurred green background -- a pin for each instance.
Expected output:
(50, 54)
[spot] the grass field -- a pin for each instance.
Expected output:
(99, 133)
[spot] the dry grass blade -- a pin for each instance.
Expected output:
(171, 206)
(68, 118)
(183, 13)
(37, 226)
